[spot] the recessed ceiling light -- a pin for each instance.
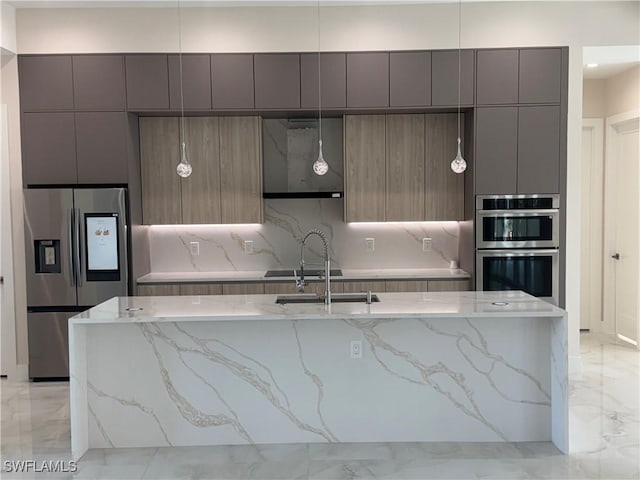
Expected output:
(592, 65)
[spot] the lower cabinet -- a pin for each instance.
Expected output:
(242, 288)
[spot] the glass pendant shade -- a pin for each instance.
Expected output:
(320, 166)
(184, 167)
(458, 165)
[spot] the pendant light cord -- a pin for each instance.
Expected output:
(180, 66)
(459, 61)
(319, 82)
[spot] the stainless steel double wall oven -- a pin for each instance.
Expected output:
(517, 241)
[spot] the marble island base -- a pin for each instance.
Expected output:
(287, 376)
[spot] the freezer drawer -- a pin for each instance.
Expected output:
(48, 344)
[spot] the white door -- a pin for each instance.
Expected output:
(627, 230)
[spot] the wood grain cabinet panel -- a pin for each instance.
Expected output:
(201, 190)
(496, 143)
(98, 82)
(277, 80)
(497, 76)
(232, 81)
(539, 149)
(333, 71)
(45, 82)
(444, 189)
(405, 167)
(410, 79)
(158, 290)
(360, 287)
(540, 75)
(49, 149)
(364, 144)
(449, 285)
(101, 140)
(444, 77)
(406, 285)
(367, 79)
(196, 82)
(201, 289)
(246, 288)
(147, 82)
(241, 169)
(159, 155)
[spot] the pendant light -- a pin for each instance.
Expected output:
(320, 166)
(184, 168)
(458, 165)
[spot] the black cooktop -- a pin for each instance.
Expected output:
(311, 272)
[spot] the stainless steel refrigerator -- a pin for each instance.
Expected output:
(76, 254)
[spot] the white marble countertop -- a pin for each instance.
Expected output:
(264, 308)
(347, 275)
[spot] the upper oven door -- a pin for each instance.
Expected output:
(517, 229)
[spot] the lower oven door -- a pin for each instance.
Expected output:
(533, 271)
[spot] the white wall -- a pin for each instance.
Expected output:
(573, 24)
(622, 92)
(594, 102)
(7, 27)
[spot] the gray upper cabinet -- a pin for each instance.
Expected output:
(409, 79)
(539, 149)
(368, 80)
(98, 82)
(101, 141)
(333, 81)
(496, 150)
(277, 80)
(497, 77)
(540, 75)
(48, 148)
(147, 82)
(45, 82)
(196, 82)
(444, 77)
(232, 81)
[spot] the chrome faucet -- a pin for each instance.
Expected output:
(301, 283)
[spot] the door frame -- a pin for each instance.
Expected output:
(610, 171)
(591, 268)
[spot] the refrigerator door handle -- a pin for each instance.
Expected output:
(77, 248)
(72, 263)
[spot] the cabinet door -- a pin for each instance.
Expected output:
(232, 81)
(539, 149)
(147, 82)
(496, 150)
(201, 190)
(45, 82)
(367, 79)
(247, 288)
(159, 155)
(101, 141)
(333, 81)
(196, 82)
(277, 80)
(201, 289)
(364, 145)
(448, 285)
(241, 170)
(444, 77)
(444, 189)
(497, 77)
(406, 285)
(98, 82)
(409, 79)
(405, 187)
(360, 287)
(158, 290)
(49, 148)
(540, 75)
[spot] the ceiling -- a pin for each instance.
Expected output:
(611, 60)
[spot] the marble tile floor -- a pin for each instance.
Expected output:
(604, 432)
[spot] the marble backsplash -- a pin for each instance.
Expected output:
(276, 243)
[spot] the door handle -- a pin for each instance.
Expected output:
(72, 240)
(616, 256)
(76, 227)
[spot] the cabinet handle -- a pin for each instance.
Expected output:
(616, 256)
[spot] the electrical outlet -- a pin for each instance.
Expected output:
(356, 349)
(371, 244)
(426, 244)
(247, 246)
(195, 248)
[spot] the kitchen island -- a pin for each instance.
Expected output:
(241, 369)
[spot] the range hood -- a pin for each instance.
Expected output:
(289, 148)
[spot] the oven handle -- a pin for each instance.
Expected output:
(519, 213)
(518, 253)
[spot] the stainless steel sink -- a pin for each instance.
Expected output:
(335, 298)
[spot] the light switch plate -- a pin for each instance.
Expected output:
(371, 244)
(195, 248)
(247, 246)
(426, 244)
(355, 349)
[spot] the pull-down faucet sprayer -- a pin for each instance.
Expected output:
(301, 283)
